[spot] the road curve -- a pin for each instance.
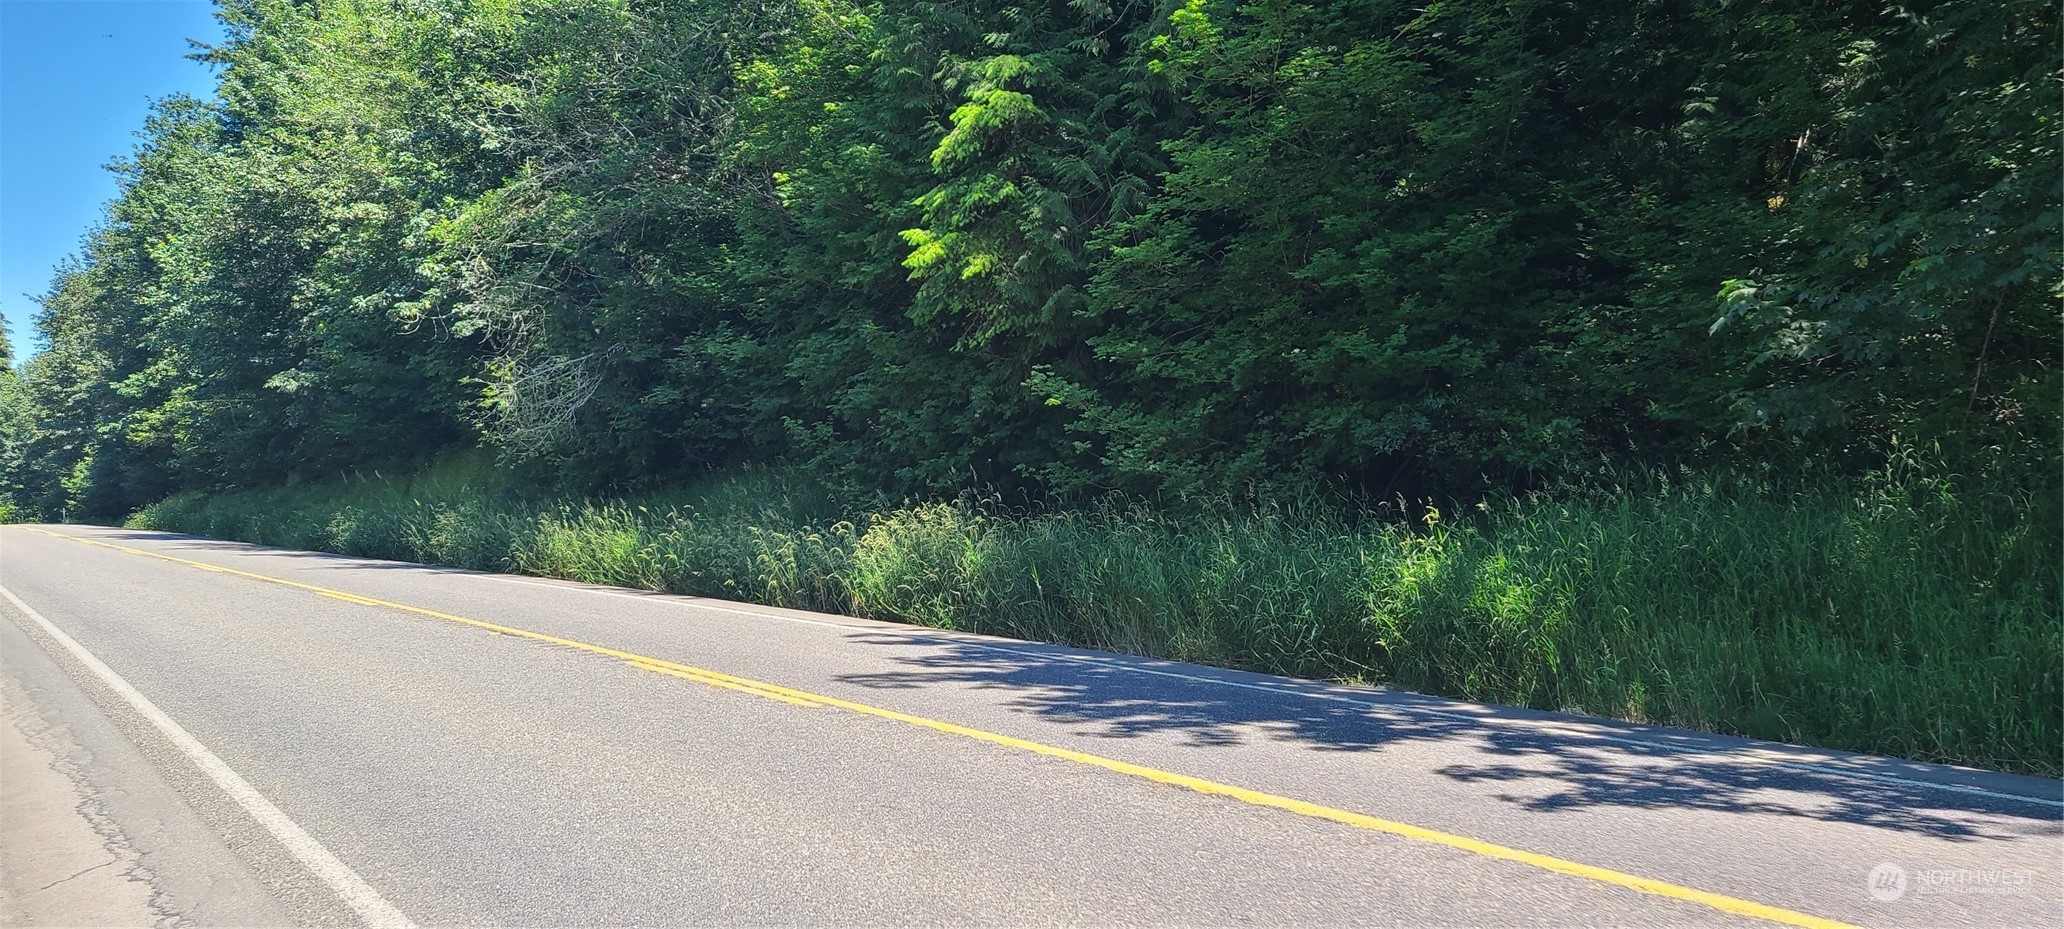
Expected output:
(254, 736)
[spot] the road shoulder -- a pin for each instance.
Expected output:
(93, 829)
(63, 862)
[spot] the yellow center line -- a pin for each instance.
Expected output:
(706, 677)
(1731, 905)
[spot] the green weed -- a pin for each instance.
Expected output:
(1915, 615)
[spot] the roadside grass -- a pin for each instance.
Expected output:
(1909, 615)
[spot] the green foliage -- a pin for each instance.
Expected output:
(1062, 248)
(1917, 616)
(1182, 249)
(1916, 259)
(17, 430)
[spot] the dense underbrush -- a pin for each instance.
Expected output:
(1909, 615)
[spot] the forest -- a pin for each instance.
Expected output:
(1693, 361)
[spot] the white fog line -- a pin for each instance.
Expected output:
(349, 887)
(1752, 756)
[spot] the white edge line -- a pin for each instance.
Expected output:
(1755, 756)
(349, 887)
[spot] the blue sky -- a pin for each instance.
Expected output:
(76, 78)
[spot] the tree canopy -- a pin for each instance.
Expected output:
(1144, 245)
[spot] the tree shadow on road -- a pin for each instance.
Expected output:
(1548, 762)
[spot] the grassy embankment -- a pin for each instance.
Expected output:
(1911, 617)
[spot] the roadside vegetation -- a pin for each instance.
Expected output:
(1911, 615)
(1681, 360)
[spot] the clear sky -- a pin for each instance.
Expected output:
(76, 79)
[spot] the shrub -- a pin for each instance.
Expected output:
(1914, 615)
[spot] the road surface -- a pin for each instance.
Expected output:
(220, 734)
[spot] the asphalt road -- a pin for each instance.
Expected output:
(314, 739)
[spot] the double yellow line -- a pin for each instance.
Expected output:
(800, 698)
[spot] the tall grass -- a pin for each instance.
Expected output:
(1906, 616)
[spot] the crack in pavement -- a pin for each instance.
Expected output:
(76, 875)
